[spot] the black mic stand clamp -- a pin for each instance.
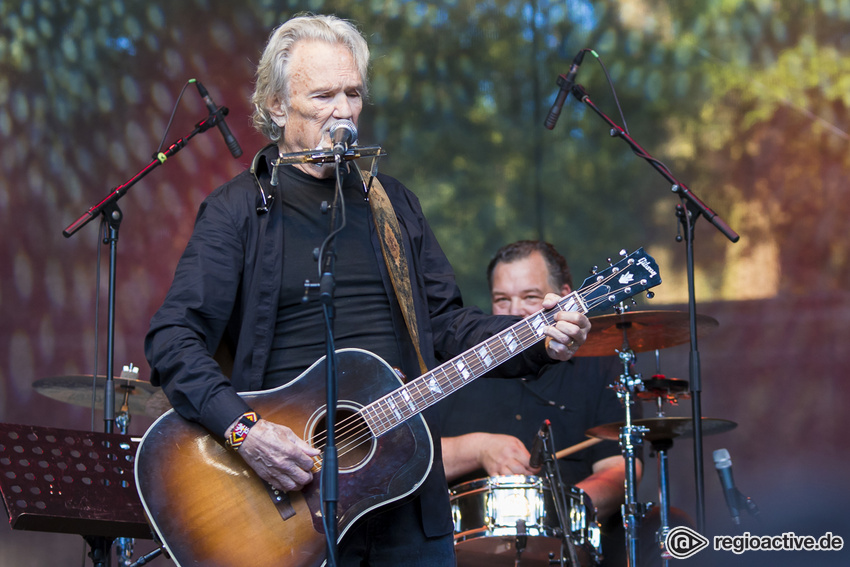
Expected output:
(750, 505)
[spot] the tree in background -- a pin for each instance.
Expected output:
(746, 102)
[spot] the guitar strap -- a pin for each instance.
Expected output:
(392, 246)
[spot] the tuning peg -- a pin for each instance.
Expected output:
(623, 252)
(650, 294)
(594, 270)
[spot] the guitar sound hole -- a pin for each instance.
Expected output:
(354, 441)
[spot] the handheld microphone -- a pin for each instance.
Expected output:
(566, 83)
(536, 458)
(723, 464)
(228, 136)
(343, 134)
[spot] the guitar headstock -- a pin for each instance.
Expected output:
(633, 274)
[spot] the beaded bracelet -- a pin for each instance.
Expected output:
(240, 431)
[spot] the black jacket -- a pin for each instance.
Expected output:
(225, 294)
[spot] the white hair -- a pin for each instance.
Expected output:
(273, 70)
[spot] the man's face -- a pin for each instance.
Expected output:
(324, 86)
(519, 287)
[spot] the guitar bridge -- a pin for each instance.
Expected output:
(281, 502)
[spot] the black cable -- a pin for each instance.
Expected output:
(622, 115)
(171, 118)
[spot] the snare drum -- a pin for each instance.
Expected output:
(490, 515)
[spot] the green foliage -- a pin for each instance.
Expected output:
(745, 101)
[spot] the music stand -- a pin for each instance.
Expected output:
(75, 482)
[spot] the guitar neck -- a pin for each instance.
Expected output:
(631, 275)
(425, 391)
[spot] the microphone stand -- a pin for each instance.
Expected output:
(108, 207)
(559, 498)
(688, 211)
(330, 460)
(112, 215)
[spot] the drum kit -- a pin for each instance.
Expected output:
(522, 521)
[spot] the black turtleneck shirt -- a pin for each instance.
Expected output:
(363, 316)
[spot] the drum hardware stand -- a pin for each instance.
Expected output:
(521, 541)
(124, 546)
(660, 446)
(631, 437)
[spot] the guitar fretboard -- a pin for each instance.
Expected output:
(417, 395)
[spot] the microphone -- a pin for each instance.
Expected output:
(343, 134)
(566, 83)
(723, 464)
(536, 458)
(228, 136)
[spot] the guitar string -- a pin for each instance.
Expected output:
(475, 363)
(398, 410)
(353, 434)
(363, 434)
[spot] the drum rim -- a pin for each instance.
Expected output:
(532, 481)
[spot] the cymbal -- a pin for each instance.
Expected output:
(663, 428)
(659, 386)
(644, 330)
(77, 390)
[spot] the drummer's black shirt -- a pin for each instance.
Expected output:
(572, 395)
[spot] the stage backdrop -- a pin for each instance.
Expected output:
(746, 102)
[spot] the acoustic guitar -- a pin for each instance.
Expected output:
(209, 508)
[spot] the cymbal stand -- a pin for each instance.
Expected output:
(660, 447)
(124, 546)
(669, 393)
(631, 437)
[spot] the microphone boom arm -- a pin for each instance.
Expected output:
(158, 160)
(677, 186)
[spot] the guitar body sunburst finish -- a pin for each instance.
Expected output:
(211, 509)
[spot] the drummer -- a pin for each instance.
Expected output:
(489, 425)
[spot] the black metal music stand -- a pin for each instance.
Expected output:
(75, 482)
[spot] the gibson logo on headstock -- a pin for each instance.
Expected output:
(645, 263)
